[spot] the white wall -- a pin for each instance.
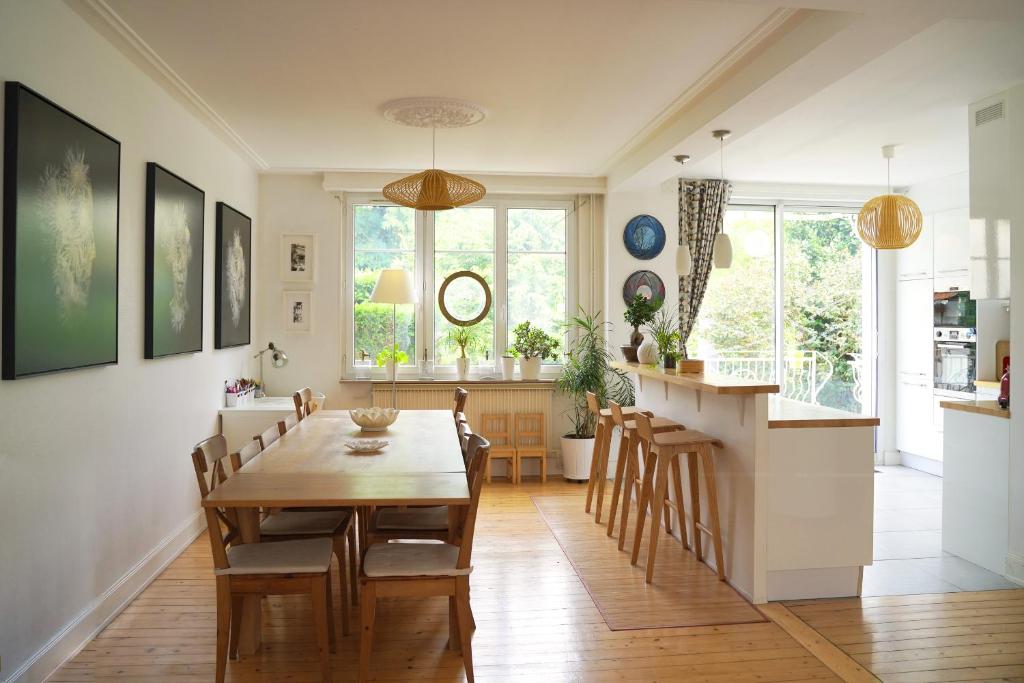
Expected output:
(95, 475)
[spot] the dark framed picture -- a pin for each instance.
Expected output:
(234, 278)
(647, 283)
(175, 211)
(60, 236)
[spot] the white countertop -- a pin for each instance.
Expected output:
(269, 403)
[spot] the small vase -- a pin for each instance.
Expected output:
(231, 400)
(529, 368)
(462, 368)
(669, 362)
(389, 370)
(508, 368)
(647, 354)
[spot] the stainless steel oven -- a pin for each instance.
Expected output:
(956, 360)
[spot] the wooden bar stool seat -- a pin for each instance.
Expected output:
(602, 448)
(665, 449)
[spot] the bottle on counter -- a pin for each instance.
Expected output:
(1004, 385)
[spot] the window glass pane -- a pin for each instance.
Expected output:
(536, 230)
(823, 308)
(464, 240)
(537, 268)
(735, 331)
(385, 237)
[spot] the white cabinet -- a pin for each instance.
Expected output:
(914, 329)
(915, 432)
(952, 249)
(915, 262)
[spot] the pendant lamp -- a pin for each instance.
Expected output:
(722, 250)
(890, 221)
(684, 260)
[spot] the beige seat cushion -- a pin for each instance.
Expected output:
(416, 519)
(310, 556)
(412, 559)
(293, 523)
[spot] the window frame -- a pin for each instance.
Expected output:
(426, 283)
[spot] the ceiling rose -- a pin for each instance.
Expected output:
(433, 112)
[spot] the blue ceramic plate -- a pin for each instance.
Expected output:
(647, 283)
(644, 236)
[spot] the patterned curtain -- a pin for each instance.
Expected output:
(702, 206)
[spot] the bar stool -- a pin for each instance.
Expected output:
(665, 449)
(602, 446)
(627, 469)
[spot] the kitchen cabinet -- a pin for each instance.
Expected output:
(952, 248)
(915, 262)
(996, 126)
(915, 430)
(914, 328)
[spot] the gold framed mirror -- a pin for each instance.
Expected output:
(462, 284)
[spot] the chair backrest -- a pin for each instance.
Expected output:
(643, 427)
(287, 423)
(496, 428)
(208, 457)
(245, 454)
(301, 398)
(268, 436)
(530, 430)
(460, 400)
(464, 435)
(460, 418)
(479, 447)
(593, 404)
(617, 416)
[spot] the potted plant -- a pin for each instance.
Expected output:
(508, 364)
(387, 358)
(587, 369)
(665, 331)
(532, 344)
(462, 338)
(639, 312)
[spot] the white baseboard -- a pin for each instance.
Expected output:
(77, 633)
(888, 458)
(1015, 568)
(919, 463)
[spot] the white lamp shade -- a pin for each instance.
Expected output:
(394, 286)
(684, 262)
(723, 251)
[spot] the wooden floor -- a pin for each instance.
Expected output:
(536, 622)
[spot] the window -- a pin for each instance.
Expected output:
(519, 247)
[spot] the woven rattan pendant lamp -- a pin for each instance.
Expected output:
(890, 221)
(433, 189)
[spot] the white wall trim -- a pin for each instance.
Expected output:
(100, 15)
(78, 632)
(890, 458)
(1015, 568)
(921, 463)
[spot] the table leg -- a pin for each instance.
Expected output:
(249, 634)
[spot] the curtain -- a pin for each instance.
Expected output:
(702, 205)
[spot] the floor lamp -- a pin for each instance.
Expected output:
(394, 286)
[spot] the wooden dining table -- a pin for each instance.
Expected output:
(309, 466)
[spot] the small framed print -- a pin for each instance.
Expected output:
(298, 312)
(298, 258)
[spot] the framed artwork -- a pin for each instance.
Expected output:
(60, 235)
(233, 289)
(644, 282)
(175, 211)
(644, 237)
(298, 311)
(298, 258)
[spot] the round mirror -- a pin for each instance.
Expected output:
(464, 298)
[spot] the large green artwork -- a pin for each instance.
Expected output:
(174, 264)
(234, 278)
(60, 231)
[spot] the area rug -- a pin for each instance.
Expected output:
(685, 592)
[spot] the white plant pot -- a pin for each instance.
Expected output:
(462, 368)
(647, 354)
(576, 457)
(389, 370)
(529, 368)
(508, 367)
(230, 400)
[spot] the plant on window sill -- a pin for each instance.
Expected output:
(533, 345)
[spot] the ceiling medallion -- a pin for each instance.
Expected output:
(433, 112)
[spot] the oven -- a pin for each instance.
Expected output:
(956, 361)
(954, 309)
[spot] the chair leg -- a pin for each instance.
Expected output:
(332, 638)
(353, 565)
(544, 468)
(318, 595)
(620, 467)
(602, 448)
(716, 529)
(236, 626)
(464, 615)
(646, 495)
(691, 463)
(487, 470)
(223, 625)
(453, 625)
(369, 609)
(629, 486)
(677, 489)
(592, 481)
(656, 508)
(339, 552)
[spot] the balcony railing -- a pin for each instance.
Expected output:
(805, 372)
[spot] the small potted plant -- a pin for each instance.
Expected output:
(388, 358)
(462, 338)
(665, 331)
(639, 312)
(508, 364)
(532, 344)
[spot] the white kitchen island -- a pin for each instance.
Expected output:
(795, 482)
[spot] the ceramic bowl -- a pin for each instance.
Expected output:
(367, 445)
(374, 419)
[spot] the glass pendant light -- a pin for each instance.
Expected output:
(722, 252)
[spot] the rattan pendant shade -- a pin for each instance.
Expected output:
(434, 190)
(890, 221)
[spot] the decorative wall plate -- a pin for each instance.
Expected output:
(644, 282)
(644, 236)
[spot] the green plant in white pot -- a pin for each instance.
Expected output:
(463, 339)
(587, 369)
(387, 359)
(508, 364)
(533, 345)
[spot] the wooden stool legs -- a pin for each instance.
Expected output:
(599, 465)
(707, 462)
(592, 481)
(626, 449)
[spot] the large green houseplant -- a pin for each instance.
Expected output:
(587, 368)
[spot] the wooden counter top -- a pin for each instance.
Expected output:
(448, 381)
(714, 384)
(980, 407)
(785, 413)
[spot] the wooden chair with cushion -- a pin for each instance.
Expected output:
(461, 395)
(284, 568)
(423, 570)
(287, 423)
(333, 525)
(302, 399)
(531, 442)
(268, 436)
(497, 429)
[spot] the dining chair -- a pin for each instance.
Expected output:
(423, 570)
(334, 525)
(531, 442)
(268, 436)
(287, 423)
(283, 568)
(302, 398)
(497, 429)
(461, 395)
